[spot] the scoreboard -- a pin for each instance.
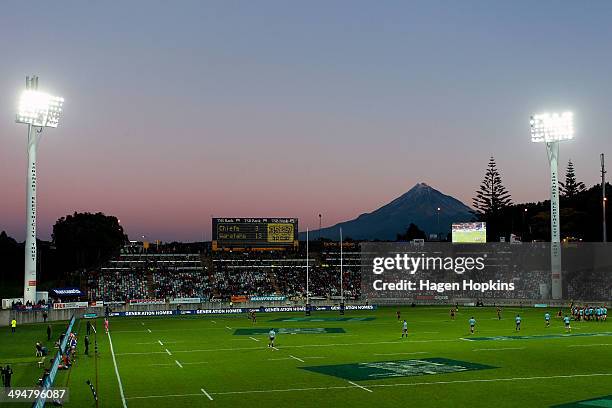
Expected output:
(254, 233)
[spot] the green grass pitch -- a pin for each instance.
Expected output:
(200, 362)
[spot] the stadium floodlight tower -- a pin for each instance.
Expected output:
(38, 110)
(552, 128)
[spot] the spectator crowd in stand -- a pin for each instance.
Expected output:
(222, 275)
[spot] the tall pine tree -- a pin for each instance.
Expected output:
(492, 196)
(571, 187)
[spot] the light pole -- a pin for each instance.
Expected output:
(341, 275)
(38, 110)
(307, 270)
(604, 199)
(551, 129)
(523, 227)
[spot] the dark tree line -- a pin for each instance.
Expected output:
(580, 209)
(80, 241)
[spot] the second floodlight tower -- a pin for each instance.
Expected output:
(37, 110)
(551, 129)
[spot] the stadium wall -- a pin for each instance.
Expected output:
(36, 316)
(27, 317)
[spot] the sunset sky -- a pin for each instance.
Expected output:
(176, 111)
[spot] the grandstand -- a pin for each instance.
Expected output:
(140, 274)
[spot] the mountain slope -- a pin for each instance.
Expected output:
(418, 205)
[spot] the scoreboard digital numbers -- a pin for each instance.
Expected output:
(254, 233)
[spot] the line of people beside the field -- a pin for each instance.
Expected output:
(590, 313)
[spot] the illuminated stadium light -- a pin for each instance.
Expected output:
(552, 127)
(38, 110)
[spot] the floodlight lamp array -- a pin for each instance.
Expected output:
(552, 127)
(39, 109)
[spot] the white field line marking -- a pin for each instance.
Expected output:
(360, 386)
(142, 323)
(168, 351)
(274, 348)
(178, 363)
(308, 346)
(494, 380)
(415, 384)
(171, 364)
(228, 328)
(398, 342)
(207, 394)
(253, 338)
(378, 385)
(160, 342)
(339, 335)
(213, 321)
(311, 358)
(397, 354)
(499, 349)
(149, 330)
(279, 359)
(296, 358)
(140, 353)
(171, 330)
(165, 396)
(590, 345)
(110, 342)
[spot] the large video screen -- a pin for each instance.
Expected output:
(254, 233)
(469, 232)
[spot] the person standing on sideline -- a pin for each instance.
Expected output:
(13, 325)
(7, 376)
(49, 331)
(86, 345)
(45, 315)
(88, 327)
(106, 325)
